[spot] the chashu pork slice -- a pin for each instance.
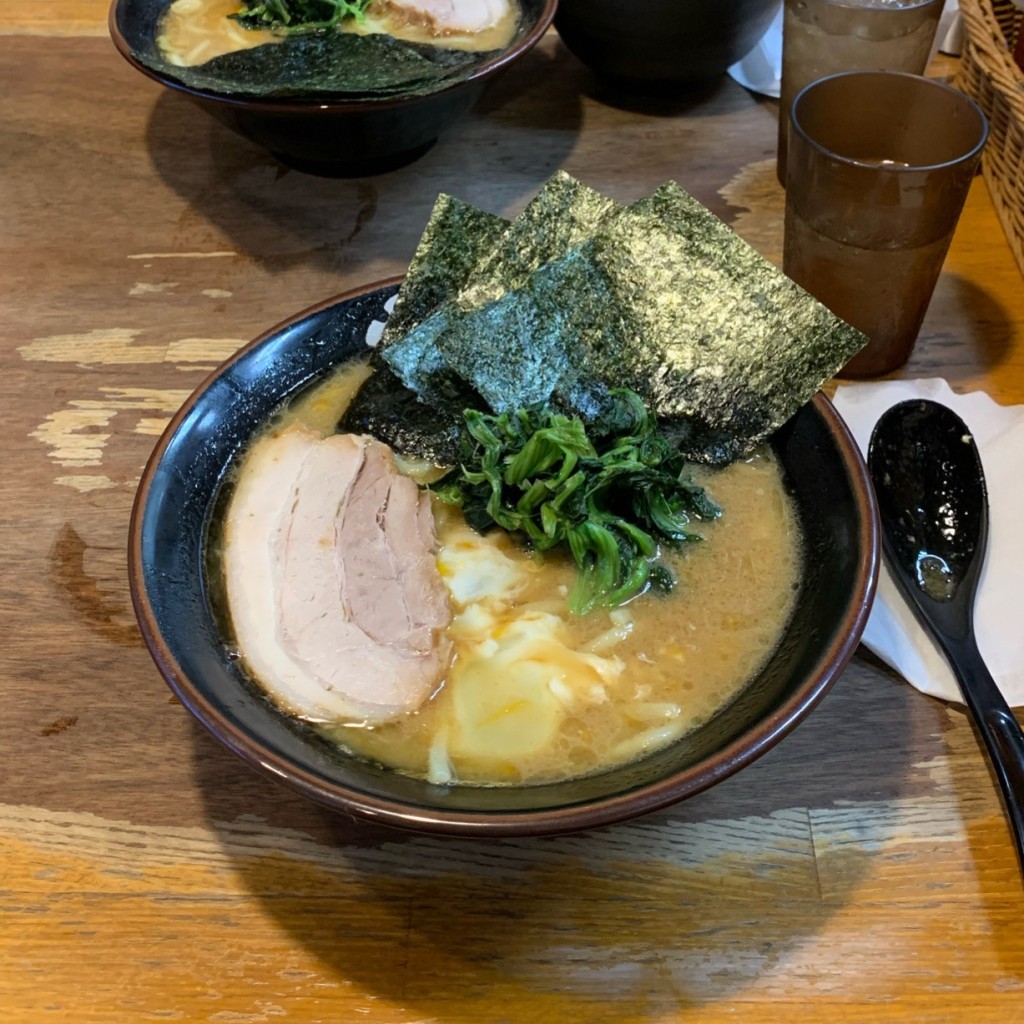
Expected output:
(452, 17)
(333, 591)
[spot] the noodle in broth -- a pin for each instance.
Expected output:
(534, 694)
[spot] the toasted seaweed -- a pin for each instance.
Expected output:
(340, 64)
(663, 298)
(538, 339)
(456, 238)
(386, 409)
(719, 336)
(563, 214)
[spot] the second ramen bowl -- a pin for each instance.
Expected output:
(662, 43)
(324, 134)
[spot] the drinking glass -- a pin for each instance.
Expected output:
(822, 37)
(880, 163)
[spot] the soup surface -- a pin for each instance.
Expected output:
(194, 31)
(534, 693)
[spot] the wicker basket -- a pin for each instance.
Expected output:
(989, 74)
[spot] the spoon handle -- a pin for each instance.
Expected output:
(999, 729)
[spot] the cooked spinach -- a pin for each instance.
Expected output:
(288, 16)
(610, 492)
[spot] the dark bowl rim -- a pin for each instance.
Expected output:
(551, 821)
(328, 103)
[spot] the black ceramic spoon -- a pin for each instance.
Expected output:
(934, 510)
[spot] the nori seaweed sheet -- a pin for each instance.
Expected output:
(535, 338)
(389, 411)
(667, 300)
(718, 335)
(456, 238)
(663, 298)
(331, 63)
(563, 214)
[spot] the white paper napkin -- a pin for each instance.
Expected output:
(892, 631)
(949, 38)
(761, 70)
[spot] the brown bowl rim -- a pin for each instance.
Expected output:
(549, 821)
(328, 103)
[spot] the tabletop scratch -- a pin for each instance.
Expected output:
(181, 255)
(116, 346)
(78, 434)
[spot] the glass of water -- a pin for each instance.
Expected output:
(822, 37)
(880, 163)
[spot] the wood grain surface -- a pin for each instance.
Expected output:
(861, 872)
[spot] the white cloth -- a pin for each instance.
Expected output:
(892, 631)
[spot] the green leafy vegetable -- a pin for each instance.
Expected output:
(610, 492)
(287, 16)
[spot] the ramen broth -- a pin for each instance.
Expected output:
(194, 31)
(625, 682)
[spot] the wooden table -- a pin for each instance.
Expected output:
(860, 872)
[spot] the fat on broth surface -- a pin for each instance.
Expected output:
(194, 31)
(535, 694)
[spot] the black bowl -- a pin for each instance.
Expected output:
(662, 42)
(177, 500)
(329, 135)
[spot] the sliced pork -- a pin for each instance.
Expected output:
(334, 594)
(451, 17)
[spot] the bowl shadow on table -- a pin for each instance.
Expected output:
(237, 194)
(684, 906)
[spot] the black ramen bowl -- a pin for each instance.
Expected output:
(662, 42)
(327, 134)
(177, 502)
